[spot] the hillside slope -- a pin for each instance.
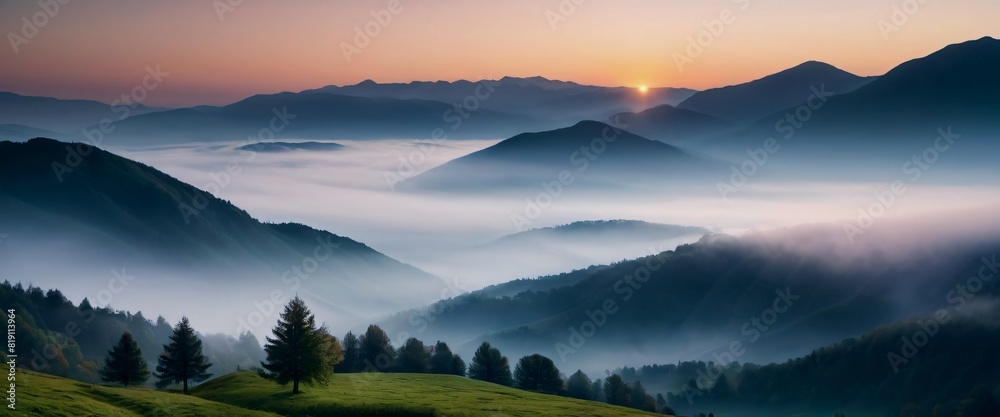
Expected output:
(41, 395)
(374, 394)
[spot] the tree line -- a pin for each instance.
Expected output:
(301, 352)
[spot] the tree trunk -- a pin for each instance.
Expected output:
(185, 387)
(295, 386)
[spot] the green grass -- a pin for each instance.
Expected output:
(398, 395)
(246, 394)
(52, 396)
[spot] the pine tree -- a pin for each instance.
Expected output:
(616, 391)
(352, 355)
(457, 365)
(578, 386)
(182, 359)
(124, 363)
(490, 366)
(296, 353)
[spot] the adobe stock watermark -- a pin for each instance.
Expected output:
(222, 7)
(364, 34)
(123, 106)
(957, 299)
(220, 180)
(38, 21)
(562, 12)
(752, 330)
(899, 17)
(758, 157)
(713, 30)
(913, 169)
(455, 118)
(582, 159)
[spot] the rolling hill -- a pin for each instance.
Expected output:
(244, 394)
(376, 394)
(552, 250)
(587, 154)
(690, 302)
(109, 213)
(41, 395)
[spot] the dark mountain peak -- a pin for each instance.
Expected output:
(750, 101)
(367, 83)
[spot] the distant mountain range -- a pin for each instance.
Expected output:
(589, 153)
(59, 115)
(318, 116)
(98, 212)
(673, 125)
(561, 102)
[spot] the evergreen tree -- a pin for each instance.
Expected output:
(639, 399)
(297, 352)
(578, 386)
(457, 365)
(377, 354)
(616, 391)
(124, 363)
(490, 366)
(182, 359)
(352, 355)
(413, 357)
(722, 391)
(538, 373)
(443, 361)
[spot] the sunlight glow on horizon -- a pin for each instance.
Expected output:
(85, 51)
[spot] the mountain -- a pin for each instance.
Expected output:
(950, 92)
(551, 250)
(20, 133)
(104, 216)
(560, 102)
(750, 101)
(588, 153)
(673, 125)
(953, 371)
(61, 115)
(290, 146)
(780, 294)
(318, 116)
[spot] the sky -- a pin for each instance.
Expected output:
(219, 51)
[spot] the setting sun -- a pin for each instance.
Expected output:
(643, 89)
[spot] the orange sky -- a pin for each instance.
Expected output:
(99, 49)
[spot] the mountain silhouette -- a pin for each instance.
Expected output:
(107, 211)
(750, 101)
(592, 153)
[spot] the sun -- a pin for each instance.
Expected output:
(643, 89)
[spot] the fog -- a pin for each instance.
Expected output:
(350, 192)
